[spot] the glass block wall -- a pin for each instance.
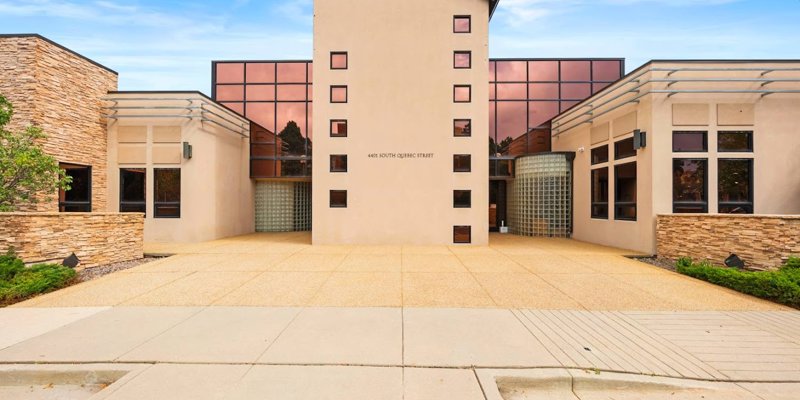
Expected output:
(283, 206)
(540, 195)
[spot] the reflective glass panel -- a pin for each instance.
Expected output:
(338, 198)
(543, 71)
(462, 93)
(338, 128)
(338, 60)
(543, 91)
(462, 59)
(338, 94)
(689, 185)
(230, 92)
(687, 141)
(291, 72)
(600, 193)
(462, 234)
(735, 141)
(462, 127)
(230, 73)
(462, 24)
(260, 92)
(606, 70)
(260, 72)
(511, 71)
(576, 71)
(735, 186)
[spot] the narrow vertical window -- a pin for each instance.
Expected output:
(338, 163)
(462, 93)
(79, 196)
(625, 192)
(735, 186)
(338, 128)
(600, 193)
(167, 193)
(462, 127)
(462, 163)
(338, 198)
(689, 185)
(462, 24)
(132, 190)
(462, 198)
(339, 94)
(462, 234)
(462, 59)
(338, 60)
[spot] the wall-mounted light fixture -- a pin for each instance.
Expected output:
(187, 150)
(639, 139)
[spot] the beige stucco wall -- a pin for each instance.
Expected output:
(216, 191)
(400, 88)
(774, 119)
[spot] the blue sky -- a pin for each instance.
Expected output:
(169, 45)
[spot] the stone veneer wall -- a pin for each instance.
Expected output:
(60, 92)
(96, 238)
(762, 241)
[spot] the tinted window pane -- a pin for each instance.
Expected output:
(600, 154)
(511, 71)
(462, 127)
(338, 128)
(543, 71)
(689, 185)
(260, 92)
(230, 73)
(575, 71)
(81, 185)
(625, 191)
(462, 198)
(540, 112)
(512, 91)
(338, 60)
(462, 59)
(338, 198)
(338, 163)
(624, 148)
(462, 93)
(167, 192)
(132, 189)
(510, 119)
(735, 191)
(462, 24)
(576, 91)
(262, 114)
(462, 163)
(262, 168)
(462, 234)
(684, 141)
(291, 93)
(236, 107)
(732, 141)
(338, 94)
(291, 72)
(260, 72)
(543, 91)
(606, 70)
(230, 92)
(600, 193)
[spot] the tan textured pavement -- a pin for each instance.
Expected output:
(512, 272)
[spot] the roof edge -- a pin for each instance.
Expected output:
(60, 46)
(492, 7)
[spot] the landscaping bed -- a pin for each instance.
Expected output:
(781, 286)
(18, 282)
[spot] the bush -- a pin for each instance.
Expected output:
(18, 282)
(782, 286)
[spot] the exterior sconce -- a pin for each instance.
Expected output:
(187, 151)
(639, 139)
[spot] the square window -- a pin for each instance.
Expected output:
(462, 198)
(338, 128)
(462, 163)
(600, 154)
(735, 141)
(462, 234)
(462, 93)
(689, 141)
(338, 199)
(338, 94)
(462, 24)
(462, 127)
(338, 163)
(462, 59)
(338, 60)
(624, 149)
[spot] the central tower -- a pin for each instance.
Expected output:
(400, 121)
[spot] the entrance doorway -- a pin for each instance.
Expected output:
(497, 205)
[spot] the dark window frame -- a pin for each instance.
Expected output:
(705, 141)
(468, 18)
(593, 203)
(456, 197)
(346, 59)
(346, 94)
(87, 205)
(750, 141)
(751, 182)
(330, 199)
(142, 203)
(618, 155)
(331, 127)
(469, 234)
(469, 123)
(332, 163)
(157, 203)
(592, 154)
(469, 167)
(702, 204)
(456, 87)
(462, 52)
(618, 203)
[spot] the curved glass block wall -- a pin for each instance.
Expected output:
(283, 206)
(540, 196)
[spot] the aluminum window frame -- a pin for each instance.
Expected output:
(122, 202)
(63, 204)
(684, 132)
(330, 198)
(338, 171)
(468, 203)
(456, 53)
(751, 190)
(455, 163)
(469, 25)
(468, 123)
(330, 127)
(346, 60)
(346, 94)
(157, 203)
(704, 205)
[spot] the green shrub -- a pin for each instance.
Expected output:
(792, 263)
(782, 286)
(18, 282)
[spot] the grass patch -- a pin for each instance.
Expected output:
(18, 282)
(781, 286)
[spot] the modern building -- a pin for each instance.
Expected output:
(381, 138)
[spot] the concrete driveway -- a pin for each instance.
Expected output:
(512, 272)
